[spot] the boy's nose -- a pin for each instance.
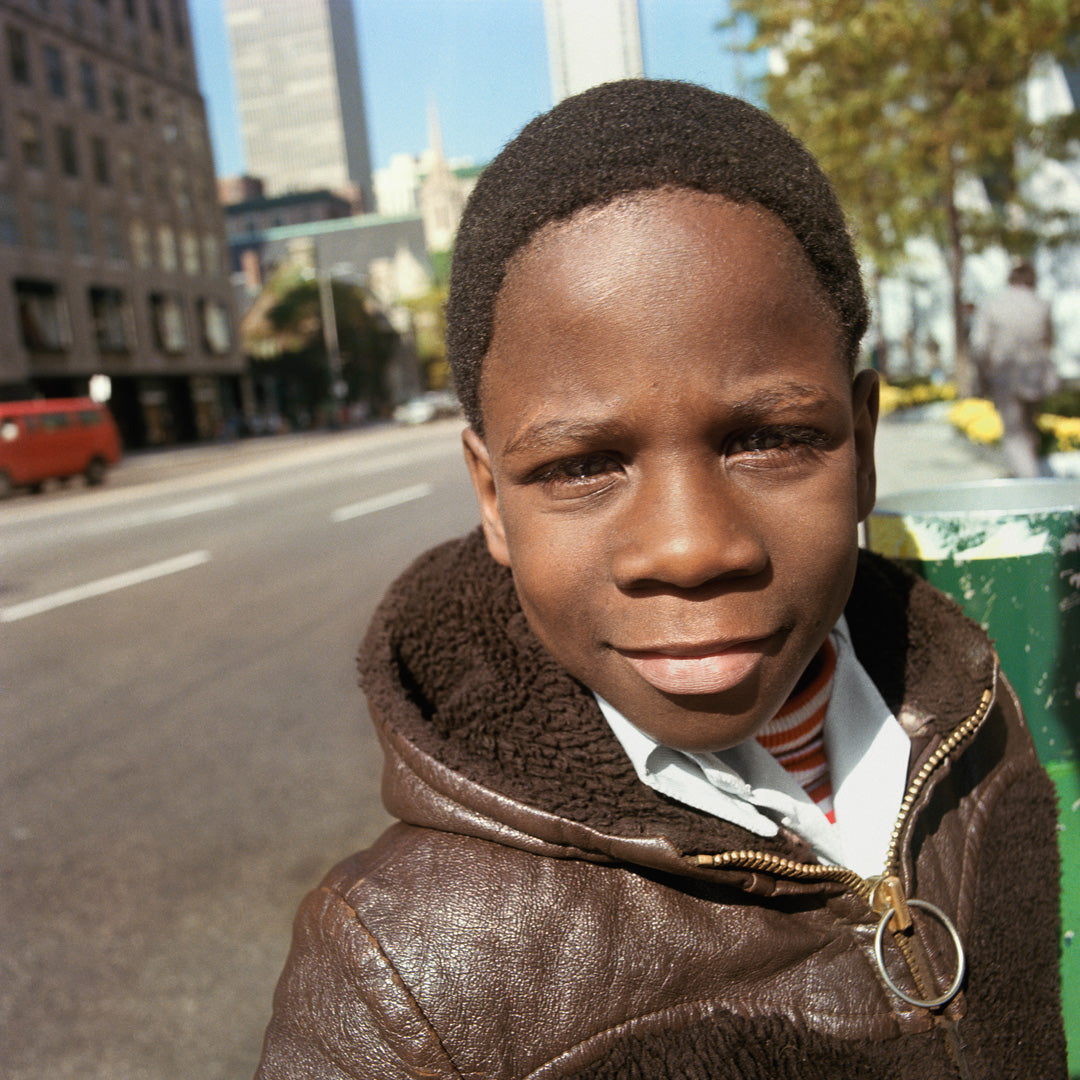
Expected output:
(687, 531)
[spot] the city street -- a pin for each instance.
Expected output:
(184, 750)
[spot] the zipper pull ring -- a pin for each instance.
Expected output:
(889, 894)
(888, 900)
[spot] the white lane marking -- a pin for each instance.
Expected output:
(385, 462)
(382, 502)
(103, 585)
(189, 508)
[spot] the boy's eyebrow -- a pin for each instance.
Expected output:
(551, 433)
(786, 395)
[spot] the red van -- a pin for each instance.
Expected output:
(52, 439)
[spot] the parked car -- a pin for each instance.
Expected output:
(53, 439)
(428, 406)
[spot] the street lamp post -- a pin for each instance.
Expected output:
(338, 388)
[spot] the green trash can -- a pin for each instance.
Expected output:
(1009, 552)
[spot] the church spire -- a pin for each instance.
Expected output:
(434, 130)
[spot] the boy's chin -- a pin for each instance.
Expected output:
(706, 723)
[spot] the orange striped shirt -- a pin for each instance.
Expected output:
(795, 736)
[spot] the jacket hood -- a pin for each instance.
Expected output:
(485, 735)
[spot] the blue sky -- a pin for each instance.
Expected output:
(483, 62)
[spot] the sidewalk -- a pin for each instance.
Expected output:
(919, 448)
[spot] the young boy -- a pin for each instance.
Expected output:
(688, 786)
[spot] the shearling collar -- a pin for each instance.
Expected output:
(485, 734)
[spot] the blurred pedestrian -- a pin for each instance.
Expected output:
(1010, 342)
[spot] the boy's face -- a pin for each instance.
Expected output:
(675, 459)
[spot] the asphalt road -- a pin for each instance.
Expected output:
(183, 749)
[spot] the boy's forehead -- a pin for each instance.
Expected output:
(654, 242)
(631, 211)
(668, 278)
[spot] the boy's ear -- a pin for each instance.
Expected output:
(483, 482)
(864, 403)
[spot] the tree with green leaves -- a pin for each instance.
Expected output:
(283, 334)
(906, 102)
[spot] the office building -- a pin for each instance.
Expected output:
(112, 246)
(258, 214)
(299, 96)
(590, 42)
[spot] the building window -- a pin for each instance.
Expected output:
(179, 32)
(88, 82)
(170, 130)
(9, 219)
(211, 254)
(131, 35)
(3, 136)
(67, 150)
(55, 76)
(140, 246)
(104, 20)
(189, 250)
(111, 318)
(129, 169)
(181, 196)
(155, 14)
(170, 334)
(217, 336)
(100, 156)
(121, 101)
(43, 317)
(30, 138)
(45, 231)
(167, 248)
(74, 10)
(79, 224)
(146, 104)
(18, 56)
(112, 238)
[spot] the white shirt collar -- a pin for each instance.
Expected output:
(868, 758)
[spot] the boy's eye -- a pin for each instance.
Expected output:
(584, 472)
(773, 439)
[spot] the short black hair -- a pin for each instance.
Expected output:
(624, 137)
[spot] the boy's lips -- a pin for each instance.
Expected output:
(707, 669)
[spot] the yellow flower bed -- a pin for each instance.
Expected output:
(1065, 429)
(979, 421)
(903, 397)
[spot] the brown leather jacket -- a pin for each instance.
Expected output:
(541, 913)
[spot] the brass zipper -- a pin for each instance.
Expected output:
(787, 868)
(959, 735)
(883, 894)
